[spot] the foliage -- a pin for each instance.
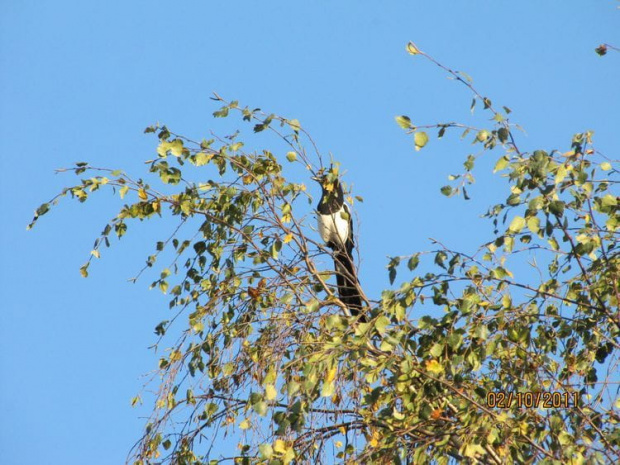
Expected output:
(262, 350)
(602, 49)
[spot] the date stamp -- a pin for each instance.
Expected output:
(541, 399)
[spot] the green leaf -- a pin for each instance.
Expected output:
(84, 270)
(312, 306)
(276, 246)
(605, 166)
(175, 147)
(437, 349)
(413, 262)
(394, 262)
(43, 209)
(556, 207)
(420, 139)
(291, 156)
(560, 174)
(440, 258)
(381, 324)
(469, 163)
(403, 121)
(609, 201)
(294, 124)
(123, 190)
(516, 225)
(446, 190)
(203, 158)
(260, 408)
(265, 451)
(513, 199)
(533, 224)
(221, 113)
(482, 135)
(503, 134)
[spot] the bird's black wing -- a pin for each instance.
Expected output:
(349, 243)
(346, 276)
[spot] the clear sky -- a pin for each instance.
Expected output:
(80, 80)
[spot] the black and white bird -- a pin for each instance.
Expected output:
(335, 226)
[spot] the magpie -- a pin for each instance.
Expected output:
(335, 226)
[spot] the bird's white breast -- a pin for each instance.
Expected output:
(334, 228)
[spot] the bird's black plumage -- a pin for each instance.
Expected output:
(336, 229)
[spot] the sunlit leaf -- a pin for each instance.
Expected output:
(421, 139)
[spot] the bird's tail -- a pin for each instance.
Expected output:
(346, 278)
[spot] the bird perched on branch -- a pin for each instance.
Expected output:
(336, 229)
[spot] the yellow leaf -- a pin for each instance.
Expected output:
(331, 375)
(420, 139)
(155, 206)
(142, 194)
(533, 224)
(471, 450)
(270, 392)
(374, 441)
(84, 270)
(279, 446)
(328, 389)
(560, 174)
(434, 367)
(245, 424)
(412, 49)
(95, 253)
(516, 225)
(288, 238)
(289, 456)
(294, 124)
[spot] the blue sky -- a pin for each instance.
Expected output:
(79, 81)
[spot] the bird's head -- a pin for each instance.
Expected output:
(328, 179)
(330, 183)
